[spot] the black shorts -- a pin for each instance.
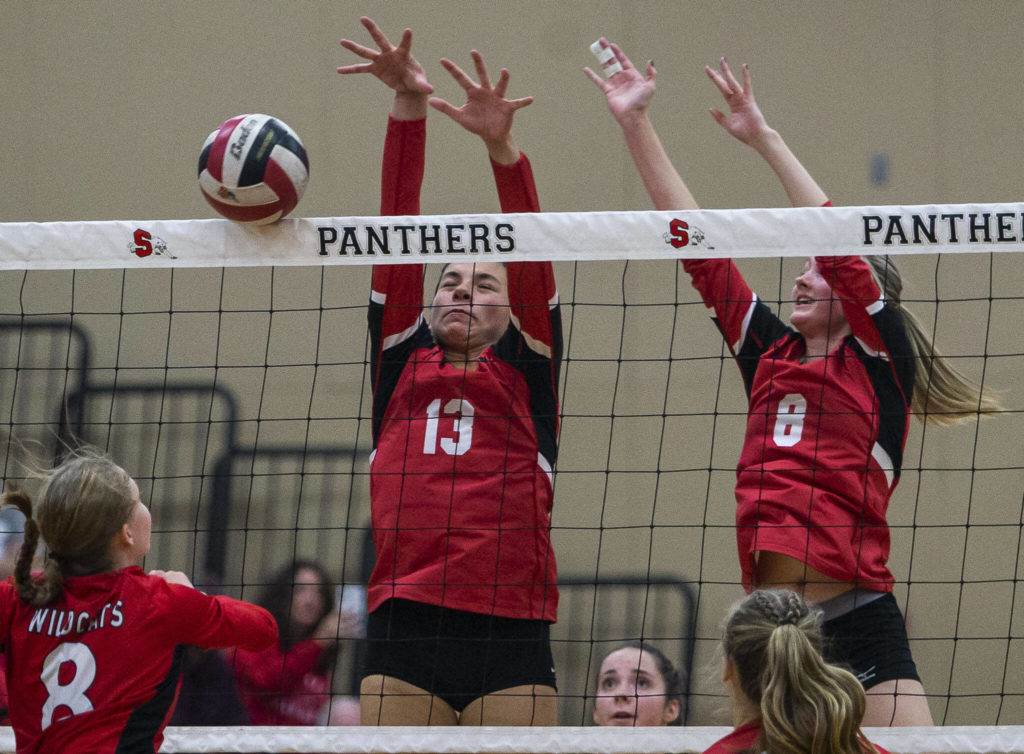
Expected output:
(456, 655)
(871, 640)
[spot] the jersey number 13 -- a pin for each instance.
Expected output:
(460, 412)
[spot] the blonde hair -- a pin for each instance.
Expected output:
(84, 502)
(808, 706)
(942, 394)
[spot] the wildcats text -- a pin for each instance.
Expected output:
(53, 622)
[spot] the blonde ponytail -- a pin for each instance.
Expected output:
(807, 705)
(942, 394)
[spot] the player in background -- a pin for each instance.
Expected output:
(289, 683)
(92, 642)
(783, 695)
(465, 423)
(638, 686)
(830, 400)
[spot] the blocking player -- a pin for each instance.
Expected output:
(465, 422)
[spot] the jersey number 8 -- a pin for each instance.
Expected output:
(72, 693)
(789, 421)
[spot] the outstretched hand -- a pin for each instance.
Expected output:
(395, 66)
(487, 113)
(745, 120)
(628, 91)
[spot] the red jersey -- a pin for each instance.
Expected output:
(283, 688)
(744, 738)
(824, 440)
(98, 671)
(461, 471)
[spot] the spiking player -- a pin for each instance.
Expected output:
(465, 420)
(91, 643)
(830, 400)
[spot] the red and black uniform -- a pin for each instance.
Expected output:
(461, 471)
(824, 439)
(823, 452)
(464, 585)
(98, 670)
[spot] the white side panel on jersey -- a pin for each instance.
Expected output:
(882, 459)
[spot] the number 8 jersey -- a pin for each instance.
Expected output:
(461, 471)
(98, 671)
(824, 439)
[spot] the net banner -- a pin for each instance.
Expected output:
(554, 236)
(556, 740)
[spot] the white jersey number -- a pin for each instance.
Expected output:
(462, 413)
(789, 422)
(72, 693)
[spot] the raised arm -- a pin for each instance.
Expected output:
(489, 114)
(396, 297)
(746, 122)
(629, 94)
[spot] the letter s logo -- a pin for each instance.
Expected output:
(143, 243)
(680, 233)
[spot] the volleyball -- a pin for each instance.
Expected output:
(253, 169)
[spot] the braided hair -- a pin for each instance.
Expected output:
(808, 706)
(84, 502)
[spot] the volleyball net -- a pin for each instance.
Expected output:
(226, 369)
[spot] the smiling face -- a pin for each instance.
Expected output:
(470, 310)
(816, 312)
(631, 691)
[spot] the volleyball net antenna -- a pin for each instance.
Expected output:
(226, 368)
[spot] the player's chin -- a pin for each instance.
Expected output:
(802, 315)
(452, 335)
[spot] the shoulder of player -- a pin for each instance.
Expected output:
(155, 586)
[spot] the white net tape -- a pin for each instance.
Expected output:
(555, 236)
(562, 740)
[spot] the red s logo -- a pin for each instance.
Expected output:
(680, 233)
(143, 243)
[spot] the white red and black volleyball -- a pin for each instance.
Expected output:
(253, 169)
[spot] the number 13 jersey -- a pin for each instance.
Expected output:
(461, 471)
